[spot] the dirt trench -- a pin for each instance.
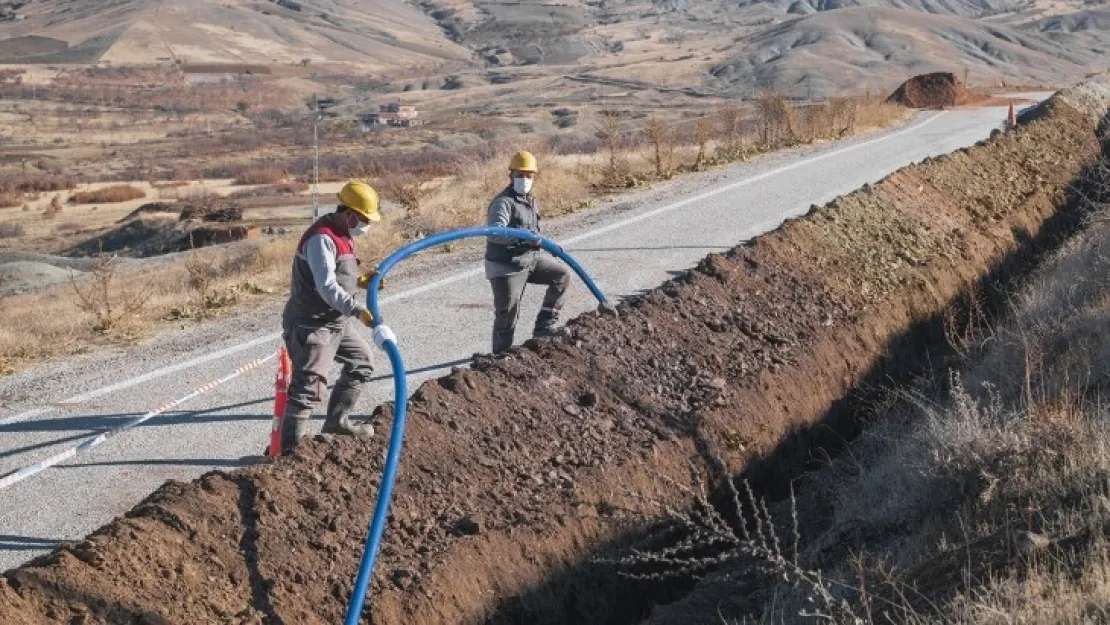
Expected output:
(520, 468)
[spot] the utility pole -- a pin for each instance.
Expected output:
(315, 159)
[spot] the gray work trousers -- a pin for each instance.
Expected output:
(312, 349)
(507, 291)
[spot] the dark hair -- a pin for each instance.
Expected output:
(342, 208)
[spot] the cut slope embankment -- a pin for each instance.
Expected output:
(516, 470)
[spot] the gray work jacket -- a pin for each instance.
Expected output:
(505, 256)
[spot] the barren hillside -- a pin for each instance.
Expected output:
(377, 33)
(807, 47)
(810, 47)
(875, 46)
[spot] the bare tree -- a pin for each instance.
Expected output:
(108, 299)
(610, 132)
(658, 136)
(730, 118)
(703, 132)
(778, 121)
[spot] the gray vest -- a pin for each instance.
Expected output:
(305, 306)
(524, 216)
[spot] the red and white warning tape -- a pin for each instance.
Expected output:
(26, 472)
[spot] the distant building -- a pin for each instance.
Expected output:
(392, 114)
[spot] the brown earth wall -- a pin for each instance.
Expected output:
(518, 469)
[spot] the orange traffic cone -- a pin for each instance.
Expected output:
(281, 387)
(1011, 117)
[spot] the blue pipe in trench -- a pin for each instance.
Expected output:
(387, 341)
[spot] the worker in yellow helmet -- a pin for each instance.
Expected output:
(511, 263)
(317, 319)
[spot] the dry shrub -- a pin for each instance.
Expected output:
(462, 201)
(660, 138)
(11, 230)
(108, 195)
(204, 271)
(186, 192)
(40, 184)
(563, 185)
(778, 121)
(269, 175)
(407, 190)
(112, 302)
(54, 208)
(610, 131)
(10, 199)
(168, 184)
(875, 113)
(730, 119)
(274, 190)
(703, 133)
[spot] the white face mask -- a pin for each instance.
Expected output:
(522, 186)
(360, 229)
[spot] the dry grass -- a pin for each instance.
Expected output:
(10, 199)
(41, 184)
(113, 302)
(269, 175)
(980, 498)
(273, 190)
(108, 195)
(439, 194)
(987, 502)
(11, 230)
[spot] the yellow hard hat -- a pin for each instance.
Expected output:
(523, 161)
(361, 198)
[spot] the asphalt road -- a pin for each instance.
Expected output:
(439, 306)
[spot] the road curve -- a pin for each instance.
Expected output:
(439, 306)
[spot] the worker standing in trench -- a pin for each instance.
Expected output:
(317, 324)
(512, 264)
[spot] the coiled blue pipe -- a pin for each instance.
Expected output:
(400, 385)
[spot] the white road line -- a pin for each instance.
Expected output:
(743, 183)
(234, 349)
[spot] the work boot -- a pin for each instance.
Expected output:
(294, 425)
(339, 406)
(545, 325)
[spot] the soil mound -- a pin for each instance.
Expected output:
(26, 276)
(145, 236)
(155, 236)
(213, 210)
(151, 208)
(518, 469)
(931, 91)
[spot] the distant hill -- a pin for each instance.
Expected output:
(877, 46)
(373, 33)
(814, 47)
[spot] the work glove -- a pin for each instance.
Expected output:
(365, 317)
(364, 279)
(527, 245)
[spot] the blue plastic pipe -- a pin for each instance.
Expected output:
(400, 385)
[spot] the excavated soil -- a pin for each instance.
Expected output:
(519, 469)
(931, 91)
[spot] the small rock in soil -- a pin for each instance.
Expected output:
(572, 410)
(468, 526)
(587, 399)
